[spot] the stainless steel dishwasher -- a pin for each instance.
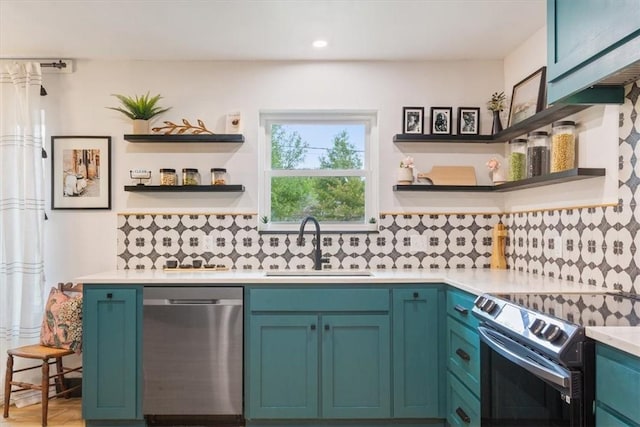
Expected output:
(192, 351)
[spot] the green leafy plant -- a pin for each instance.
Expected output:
(139, 107)
(265, 219)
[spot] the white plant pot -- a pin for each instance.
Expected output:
(141, 127)
(405, 176)
(498, 177)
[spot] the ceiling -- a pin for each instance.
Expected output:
(267, 29)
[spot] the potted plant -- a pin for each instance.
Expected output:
(140, 109)
(496, 104)
(405, 172)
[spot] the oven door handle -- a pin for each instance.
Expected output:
(525, 358)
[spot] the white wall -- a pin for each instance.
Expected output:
(82, 242)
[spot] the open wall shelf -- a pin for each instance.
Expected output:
(538, 181)
(538, 120)
(185, 138)
(185, 188)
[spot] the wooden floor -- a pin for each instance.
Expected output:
(62, 412)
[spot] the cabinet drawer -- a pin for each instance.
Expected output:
(459, 305)
(609, 419)
(618, 381)
(302, 300)
(463, 408)
(463, 355)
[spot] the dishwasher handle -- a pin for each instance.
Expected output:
(191, 301)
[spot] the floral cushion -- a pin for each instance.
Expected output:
(62, 322)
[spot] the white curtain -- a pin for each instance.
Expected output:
(21, 207)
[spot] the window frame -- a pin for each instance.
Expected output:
(369, 171)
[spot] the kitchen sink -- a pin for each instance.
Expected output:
(318, 273)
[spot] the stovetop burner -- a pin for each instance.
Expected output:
(553, 325)
(608, 309)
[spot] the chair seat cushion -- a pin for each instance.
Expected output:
(62, 321)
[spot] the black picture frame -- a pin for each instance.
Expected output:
(528, 97)
(468, 120)
(80, 172)
(441, 120)
(413, 120)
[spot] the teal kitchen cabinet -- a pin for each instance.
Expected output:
(617, 387)
(283, 365)
(112, 355)
(463, 360)
(317, 353)
(356, 366)
(588, 45)
(416, 353)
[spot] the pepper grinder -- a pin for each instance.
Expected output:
(498, 260)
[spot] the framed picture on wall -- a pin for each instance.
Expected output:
(468, 120)
(441, 120)
(412, 120)
(81, 172)
(528, 97)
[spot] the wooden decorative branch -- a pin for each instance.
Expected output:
(186, 127)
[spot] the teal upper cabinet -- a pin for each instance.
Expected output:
(415, 353)
(111, 357)
(595, 42)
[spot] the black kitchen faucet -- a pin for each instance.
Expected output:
(317, 256)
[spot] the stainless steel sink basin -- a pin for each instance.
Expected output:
(318, 273)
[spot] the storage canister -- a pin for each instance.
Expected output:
(563, 146)
(168, 177)
(190, 176)
(517, 159)
(218, 176)
(537, 154)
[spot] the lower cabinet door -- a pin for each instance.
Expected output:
(415, 353)
(283, 366)
(356, 366)
(111, 355)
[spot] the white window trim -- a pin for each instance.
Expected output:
(369, 172)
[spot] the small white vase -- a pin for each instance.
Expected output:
(498, 177)
(141, 127)
(405, 176)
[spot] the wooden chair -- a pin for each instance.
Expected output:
(48, 356)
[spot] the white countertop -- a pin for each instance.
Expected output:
(625, 338)
(475, 281)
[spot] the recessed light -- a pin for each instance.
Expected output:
(320, 43)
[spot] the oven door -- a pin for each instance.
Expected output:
(519, 387)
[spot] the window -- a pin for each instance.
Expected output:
(318, 164)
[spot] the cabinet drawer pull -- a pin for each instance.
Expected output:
(416, 295)
(326, 327)
(460, 309)
(463, 355)
(109, 295)
(313, 327)
(463, 415)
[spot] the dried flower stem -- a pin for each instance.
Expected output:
(186, 127)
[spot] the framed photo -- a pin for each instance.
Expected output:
(528, 97)
(468, 120)
(81, 172)
(413, 120)
(441, 120)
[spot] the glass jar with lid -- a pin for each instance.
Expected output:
(563, 146)
(218, 176)
(190, 176)
(537, 154)
(517, 159)
(168, 177)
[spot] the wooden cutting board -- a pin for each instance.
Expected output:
(450, 175)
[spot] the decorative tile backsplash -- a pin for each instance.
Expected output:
(454, 241)
(600, 244)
